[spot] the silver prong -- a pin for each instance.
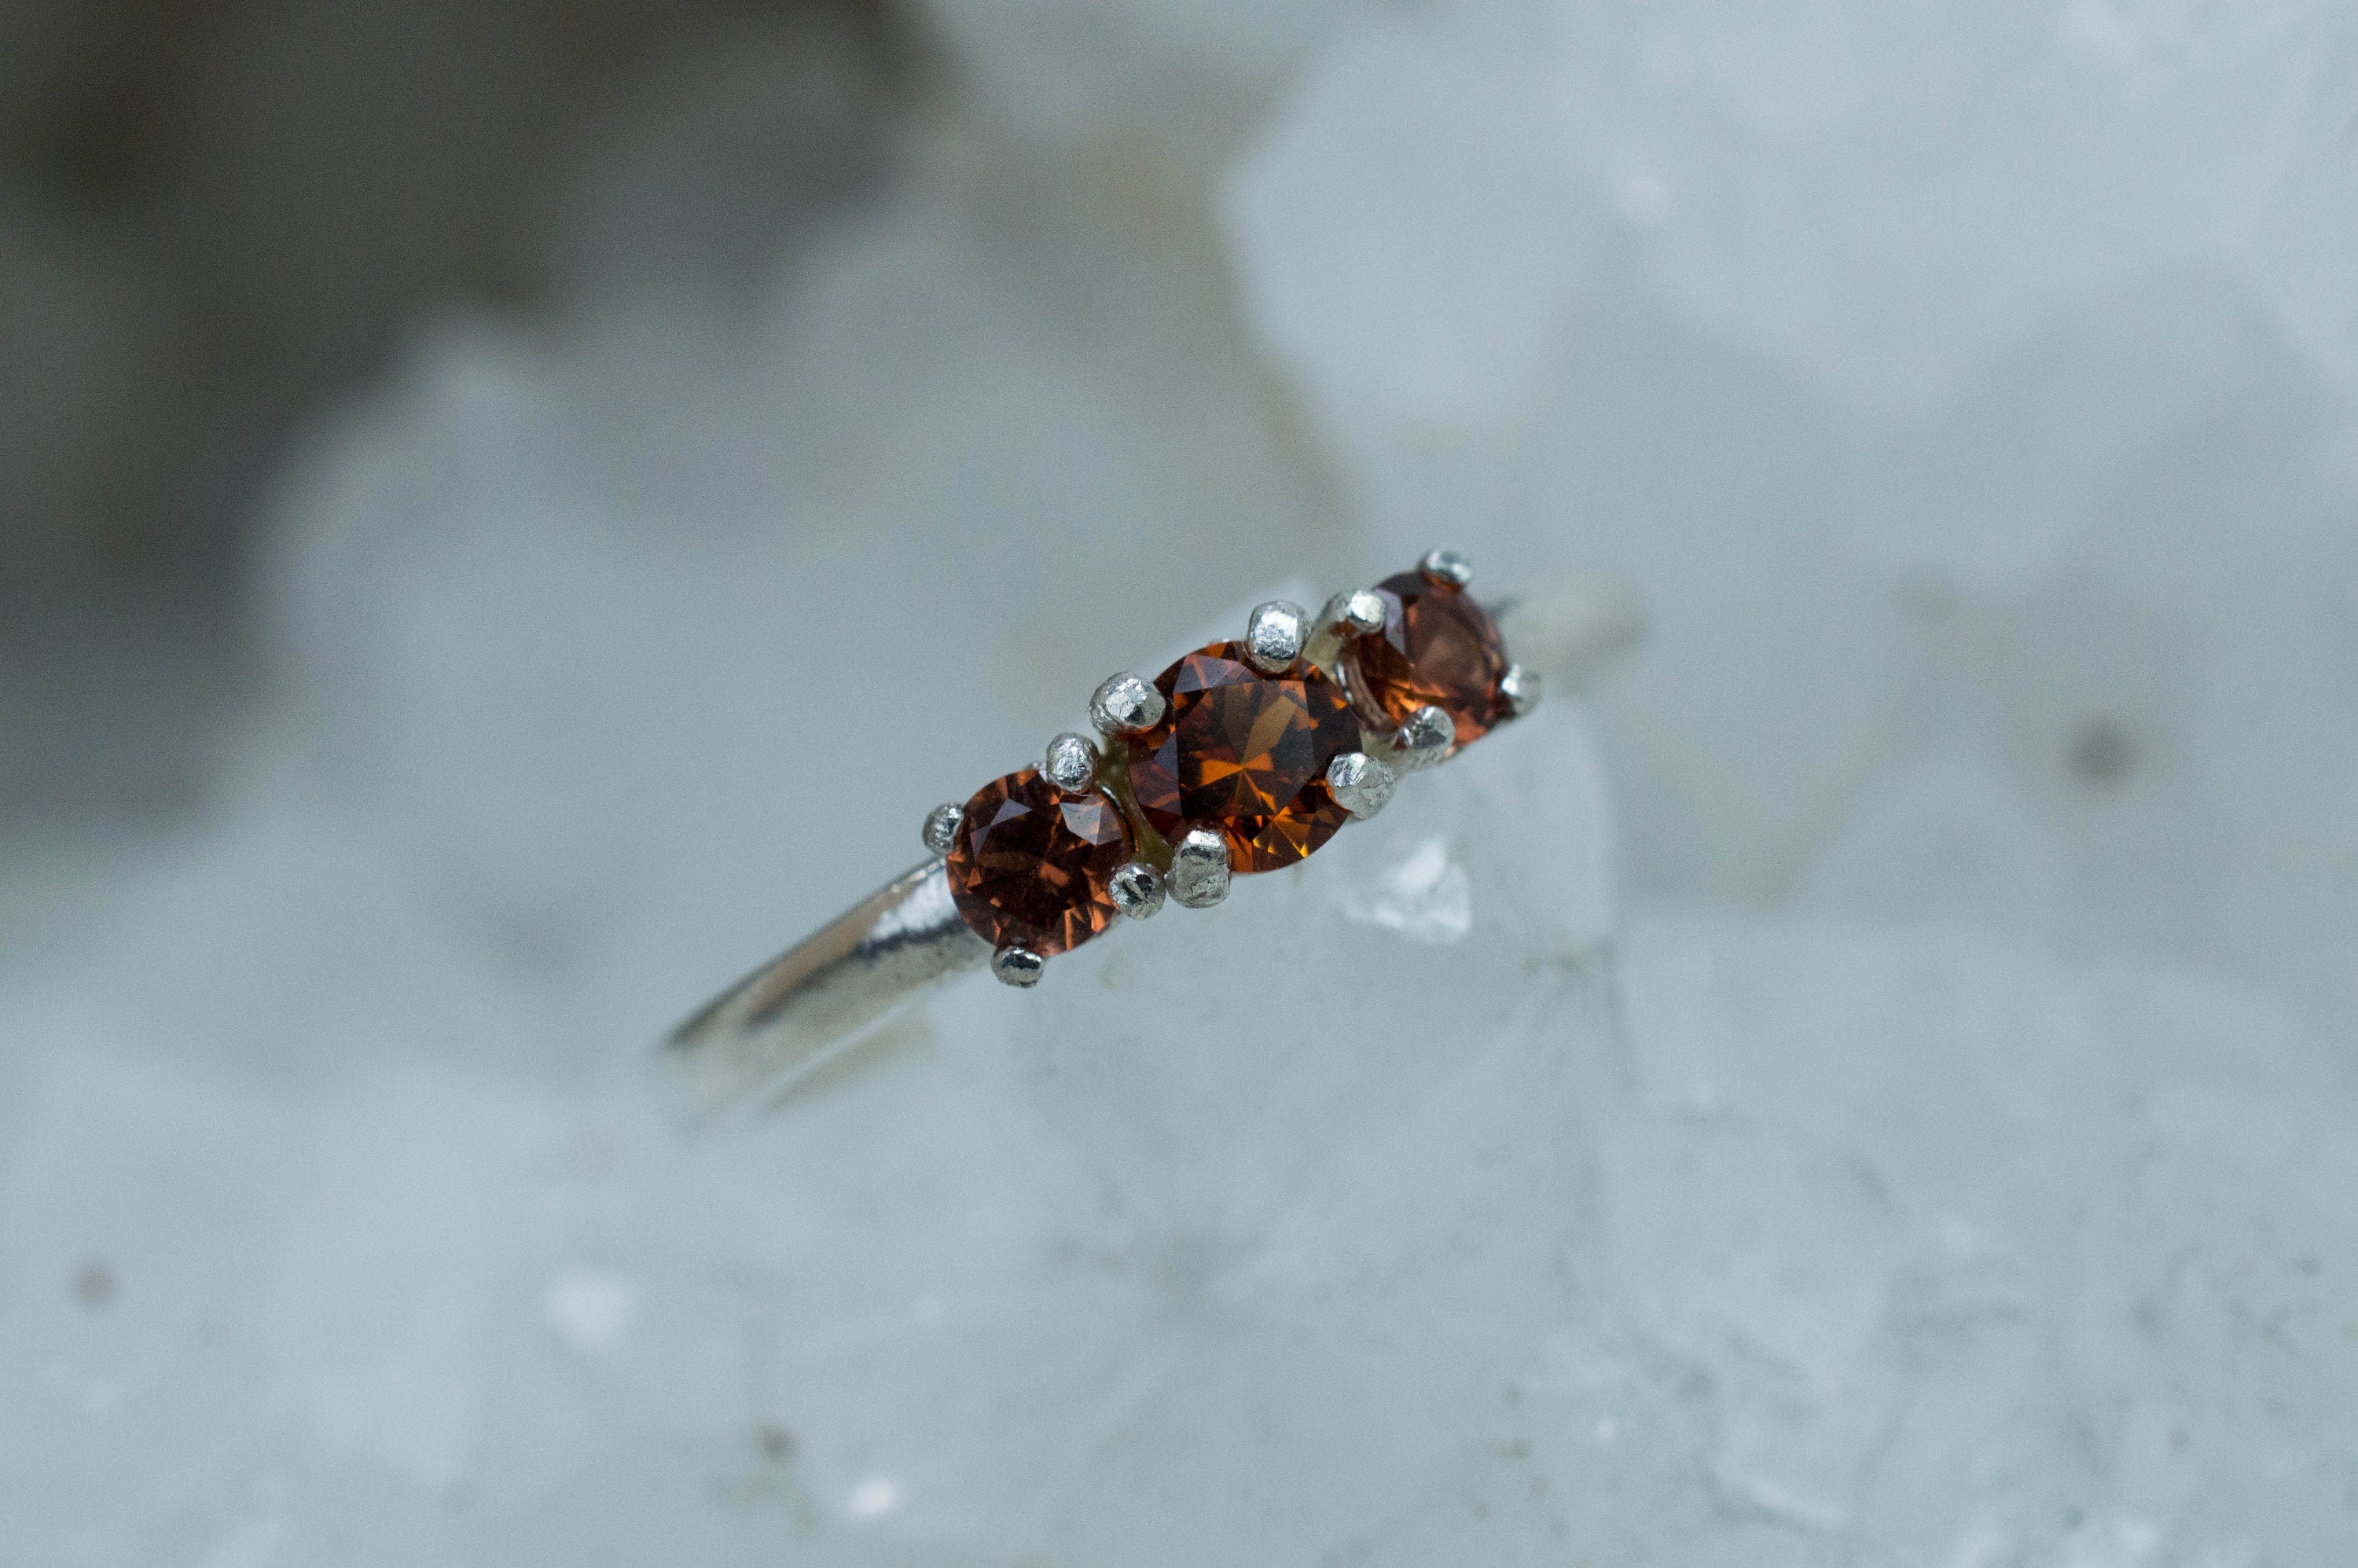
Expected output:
(1361, 785)
(1137, 889)
(1274, 636)
(1521, 689)
(1359, 613)
(1446, 565)
(1125, 704)
(942, 825)
(1018, 967)
(1425, 739)
(1072, 762)
(1199, 867)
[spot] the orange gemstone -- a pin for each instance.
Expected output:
(1032, 867)
(1244, 752)
(1438, 649)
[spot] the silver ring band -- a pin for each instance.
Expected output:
(782, 1022)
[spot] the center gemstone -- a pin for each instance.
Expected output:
(1244, 752)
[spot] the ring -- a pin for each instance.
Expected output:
(1243, 757)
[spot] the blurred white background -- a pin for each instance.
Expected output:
(513, 510)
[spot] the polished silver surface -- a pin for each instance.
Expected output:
(942, 825)
(1072, 762)
(1199, 867)
(1361, 784)
(1424, 741)
(1274, 636)
(1018, 967)
(1523, 688)
(1446, 565)
(788, 1017)
(1138, 890)
(1125, 704)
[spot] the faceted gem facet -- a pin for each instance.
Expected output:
(1244, 752)
(1032, 867)
(1438, 648)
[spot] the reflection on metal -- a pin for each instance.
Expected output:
(781, 1022)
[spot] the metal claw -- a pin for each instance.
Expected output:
(1521, 689)
(1274, 636)
(1125, 704)
(1425, 739)
(1018, 967)
(1199, 867)
(1072, 762)
(1138, 890)
(942, 825)
(1358, 613)
(1446, 565)
(1361, 784)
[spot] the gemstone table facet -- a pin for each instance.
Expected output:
(1032, 867)
(1244, 752)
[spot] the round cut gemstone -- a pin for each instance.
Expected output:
(1438, 649)
(1032, 867)
(1244, 752)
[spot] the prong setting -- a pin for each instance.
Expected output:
(1125, 704)
(1359, 613)
(1199, 867)
(1018, 967)
(1072, 762)
(1047, 857)
(942, 825)
(1446, 565)
(1361, 784)
(1275, 635)
(1138, 891)
(1425, 739)
(1520, 688)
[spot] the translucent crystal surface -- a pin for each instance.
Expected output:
(1870, 1084)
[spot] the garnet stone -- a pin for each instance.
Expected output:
(1244, 752)
(1438, 648)
(1033, 865)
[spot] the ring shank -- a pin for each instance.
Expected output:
(787, 1018)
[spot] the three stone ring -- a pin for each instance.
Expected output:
(1241, 757)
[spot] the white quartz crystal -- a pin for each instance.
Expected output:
(1869, 1085)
